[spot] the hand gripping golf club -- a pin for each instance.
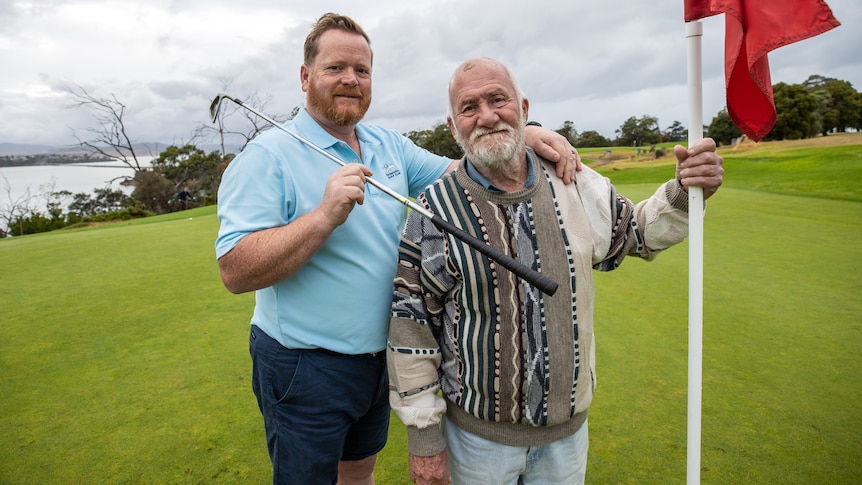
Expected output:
(543, 283)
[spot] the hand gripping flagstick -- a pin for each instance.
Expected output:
(543, 283)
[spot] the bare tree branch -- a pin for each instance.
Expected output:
(109, 138)
(247, 127)
(16, 208)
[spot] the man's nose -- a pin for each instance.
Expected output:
(349, 77)
(487, 115)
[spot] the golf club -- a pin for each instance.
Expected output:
(543, 283)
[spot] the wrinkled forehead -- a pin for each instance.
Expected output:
(480, 78)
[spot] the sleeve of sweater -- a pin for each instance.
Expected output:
(664, 218)
(626, 229)
(413, 354)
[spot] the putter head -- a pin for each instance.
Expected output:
(215, 106)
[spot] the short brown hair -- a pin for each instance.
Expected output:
(329, 21)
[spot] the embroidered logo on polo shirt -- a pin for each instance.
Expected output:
(391, 171)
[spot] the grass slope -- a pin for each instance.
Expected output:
(825, 167)
(124, 359)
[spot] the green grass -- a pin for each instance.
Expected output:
(124, 360)
(782, 335)
(826, 167)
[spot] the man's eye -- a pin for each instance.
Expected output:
(498, 101)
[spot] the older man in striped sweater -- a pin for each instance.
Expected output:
(515, 366)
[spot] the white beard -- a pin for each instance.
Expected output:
(493, 151)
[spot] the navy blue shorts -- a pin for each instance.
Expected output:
(318, 408)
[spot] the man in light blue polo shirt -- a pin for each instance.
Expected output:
(343, 280)
(319, 247)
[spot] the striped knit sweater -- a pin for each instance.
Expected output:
(514, 365)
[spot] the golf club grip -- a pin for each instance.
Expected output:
(543, 283)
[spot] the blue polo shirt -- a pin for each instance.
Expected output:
(340, 300)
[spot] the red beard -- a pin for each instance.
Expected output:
(339, 115)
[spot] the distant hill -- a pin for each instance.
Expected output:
(7, 149)
(25, 149)
(146, 149)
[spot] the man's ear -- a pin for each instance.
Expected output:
(303, 77)
(451, 126)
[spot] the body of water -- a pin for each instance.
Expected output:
(15, 182)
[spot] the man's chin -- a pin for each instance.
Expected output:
(345, 117)
(488, 143)
(490, 139)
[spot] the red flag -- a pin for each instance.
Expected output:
(753, 28)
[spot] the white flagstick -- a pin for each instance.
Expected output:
(694, 32)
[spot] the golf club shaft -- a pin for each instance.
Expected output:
(543, 283)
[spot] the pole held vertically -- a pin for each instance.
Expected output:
(694, 34)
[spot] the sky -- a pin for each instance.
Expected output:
(594, 63)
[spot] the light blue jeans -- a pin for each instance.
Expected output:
(477, 461)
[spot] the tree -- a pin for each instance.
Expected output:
(103, 201)
(722, 129)
(675, 132)
(592, 139)
(15, 210)
(37, 222)
(54, 203)
(154, 191)
(795, 107)
(190, 166)
(857, 124)
(846, 105)
(638, 132)
(82, 205)
(839, 106)
(109, 138)
(22, 216)
(568, 130)
(438, 140)
(111, 200)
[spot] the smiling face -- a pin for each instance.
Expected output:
(487, 115)
(338, 81)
